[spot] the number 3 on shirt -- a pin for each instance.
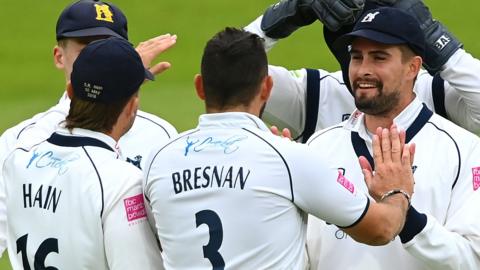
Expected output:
(210, 251)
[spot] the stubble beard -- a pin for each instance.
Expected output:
(378, 105)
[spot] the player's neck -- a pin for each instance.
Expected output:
(245, 109)
(385, 120)
(372, 122)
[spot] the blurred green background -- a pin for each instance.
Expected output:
(29, 82)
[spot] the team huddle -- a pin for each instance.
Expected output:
(383, 170)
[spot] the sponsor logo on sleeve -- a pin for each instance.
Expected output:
(476, 178)
(135, 207)
(345, 182)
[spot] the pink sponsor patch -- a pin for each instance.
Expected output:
(345, 183)
(476, 178)
(135, 207)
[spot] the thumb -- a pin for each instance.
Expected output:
(159, 68)
(366, 170)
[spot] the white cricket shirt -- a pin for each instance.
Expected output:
(147, 131)
(445, 234)
(72, 204)
(230, 193)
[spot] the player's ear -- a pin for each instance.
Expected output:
(267, 85)
(198, 81)
(132, 105)
(58, 57)
(414, 67)
(69, 90)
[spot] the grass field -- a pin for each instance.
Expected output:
(29, 83)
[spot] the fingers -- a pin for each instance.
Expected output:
(287, 134)
(386, 146)
(150, 49)
(407, 167)
(159, 68)
(274, 130)
(396, 144)
(377, 149)
(412, 153)
(403, 136)
(406, 156)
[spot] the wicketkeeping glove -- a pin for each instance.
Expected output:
(440, 44)
(385, 2)
(283, 18)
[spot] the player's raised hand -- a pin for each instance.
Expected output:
(152, 48)
(393, 164)
(286, 16)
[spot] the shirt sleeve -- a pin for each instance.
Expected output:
(325, 192)
(7, 143)
(462, 90)
(453, 243)
(255, 27)
(286, 105)
(129, 240)
(44, 126)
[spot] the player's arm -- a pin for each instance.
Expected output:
(462, 90)
(129, 240)
(283, 18)
(453, 242)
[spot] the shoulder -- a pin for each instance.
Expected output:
(153, 123)
(450, 129)
(116, 175)
(327, 134)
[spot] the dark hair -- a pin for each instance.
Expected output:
(94, 116)
(407, 53)
(234, 63)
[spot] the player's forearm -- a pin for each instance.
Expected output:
(442, 249)
(462, 93)
(382, 222)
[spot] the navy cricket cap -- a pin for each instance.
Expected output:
(386, 25)
(108, 70)
(87, 18)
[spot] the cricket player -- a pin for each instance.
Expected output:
(71, 202)
(80, 23)
(231, 195)
(307, 100)
(442, 230)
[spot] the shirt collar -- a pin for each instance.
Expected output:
(85, 133)
(231, 120)
(404, 120)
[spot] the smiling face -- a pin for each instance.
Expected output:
(382, 76)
